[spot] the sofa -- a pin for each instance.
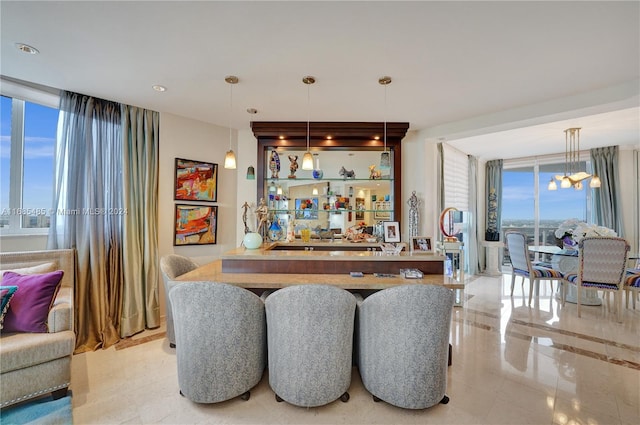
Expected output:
(37, 363)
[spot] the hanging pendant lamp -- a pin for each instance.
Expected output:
(230, 157)
(307, 158)
(572, 176)
(385, 156)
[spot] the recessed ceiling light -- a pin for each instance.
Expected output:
(158, 87)
(27, 49)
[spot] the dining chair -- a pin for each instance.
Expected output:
(632, 284)
(172, 266)
(523, 267)
(601, 266)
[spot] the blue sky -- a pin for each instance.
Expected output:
(40, 135)
(517, 197)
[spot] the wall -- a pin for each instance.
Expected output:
(189, 139)
(419, 173)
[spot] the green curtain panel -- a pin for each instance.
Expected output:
(606, 200)
(140, 299)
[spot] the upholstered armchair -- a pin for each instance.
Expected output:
(172, 266)
(310, 341)
(220, 340)
(523, 267)
(403, 344)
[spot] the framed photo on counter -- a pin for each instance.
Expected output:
(391, 231)
(421, 245)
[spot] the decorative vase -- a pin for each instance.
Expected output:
(317, 172)
(252, 240)
(275, 231)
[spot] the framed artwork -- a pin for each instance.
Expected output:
(307, 209)
(421, 245)
(360, 208)
(196, 181)
(382, 210)
(391, 231)
(195, 225)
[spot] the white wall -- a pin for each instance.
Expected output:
(189, 139)
(419, 173)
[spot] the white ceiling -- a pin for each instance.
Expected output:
(459, 69)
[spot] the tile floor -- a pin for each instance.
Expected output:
(512, 364)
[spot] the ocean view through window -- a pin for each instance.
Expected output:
(27, 159)
(529, 208)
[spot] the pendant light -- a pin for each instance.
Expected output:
(572, 176)
(307, 158)
(385, 157)
(230, 157)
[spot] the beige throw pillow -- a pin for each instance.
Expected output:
(40, 268)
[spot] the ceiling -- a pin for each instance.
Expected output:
(495, 79)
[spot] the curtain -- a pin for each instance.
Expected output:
(440, 177)
(493, 171)
(87, 185)
(474, 258)
(106, 196)
(606, 202)
(140, 302)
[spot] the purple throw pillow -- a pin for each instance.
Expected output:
(32, 301)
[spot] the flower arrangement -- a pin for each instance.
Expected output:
(572, 231)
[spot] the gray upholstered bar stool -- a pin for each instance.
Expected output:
(221, 340)
(402, 338)
(172, 266)
(310, 342)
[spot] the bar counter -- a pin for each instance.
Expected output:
(326, 258)
(213, 272)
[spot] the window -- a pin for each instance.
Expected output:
(530, 208)
(27, 160)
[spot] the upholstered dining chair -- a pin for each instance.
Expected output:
(310, 343)
(632, 287)
(221, 340)
(632, 284)
(601, 266)
(523, 267)
(172, 266)
(402, 346)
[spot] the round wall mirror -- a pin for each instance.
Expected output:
(448, 225)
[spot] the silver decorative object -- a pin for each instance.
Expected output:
(413, 214)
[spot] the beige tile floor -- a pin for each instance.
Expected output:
(512, 364)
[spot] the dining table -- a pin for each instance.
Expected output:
(565, 261)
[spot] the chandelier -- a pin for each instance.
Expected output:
(572, 176)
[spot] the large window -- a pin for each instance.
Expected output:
(27, 152)
(530, 208)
